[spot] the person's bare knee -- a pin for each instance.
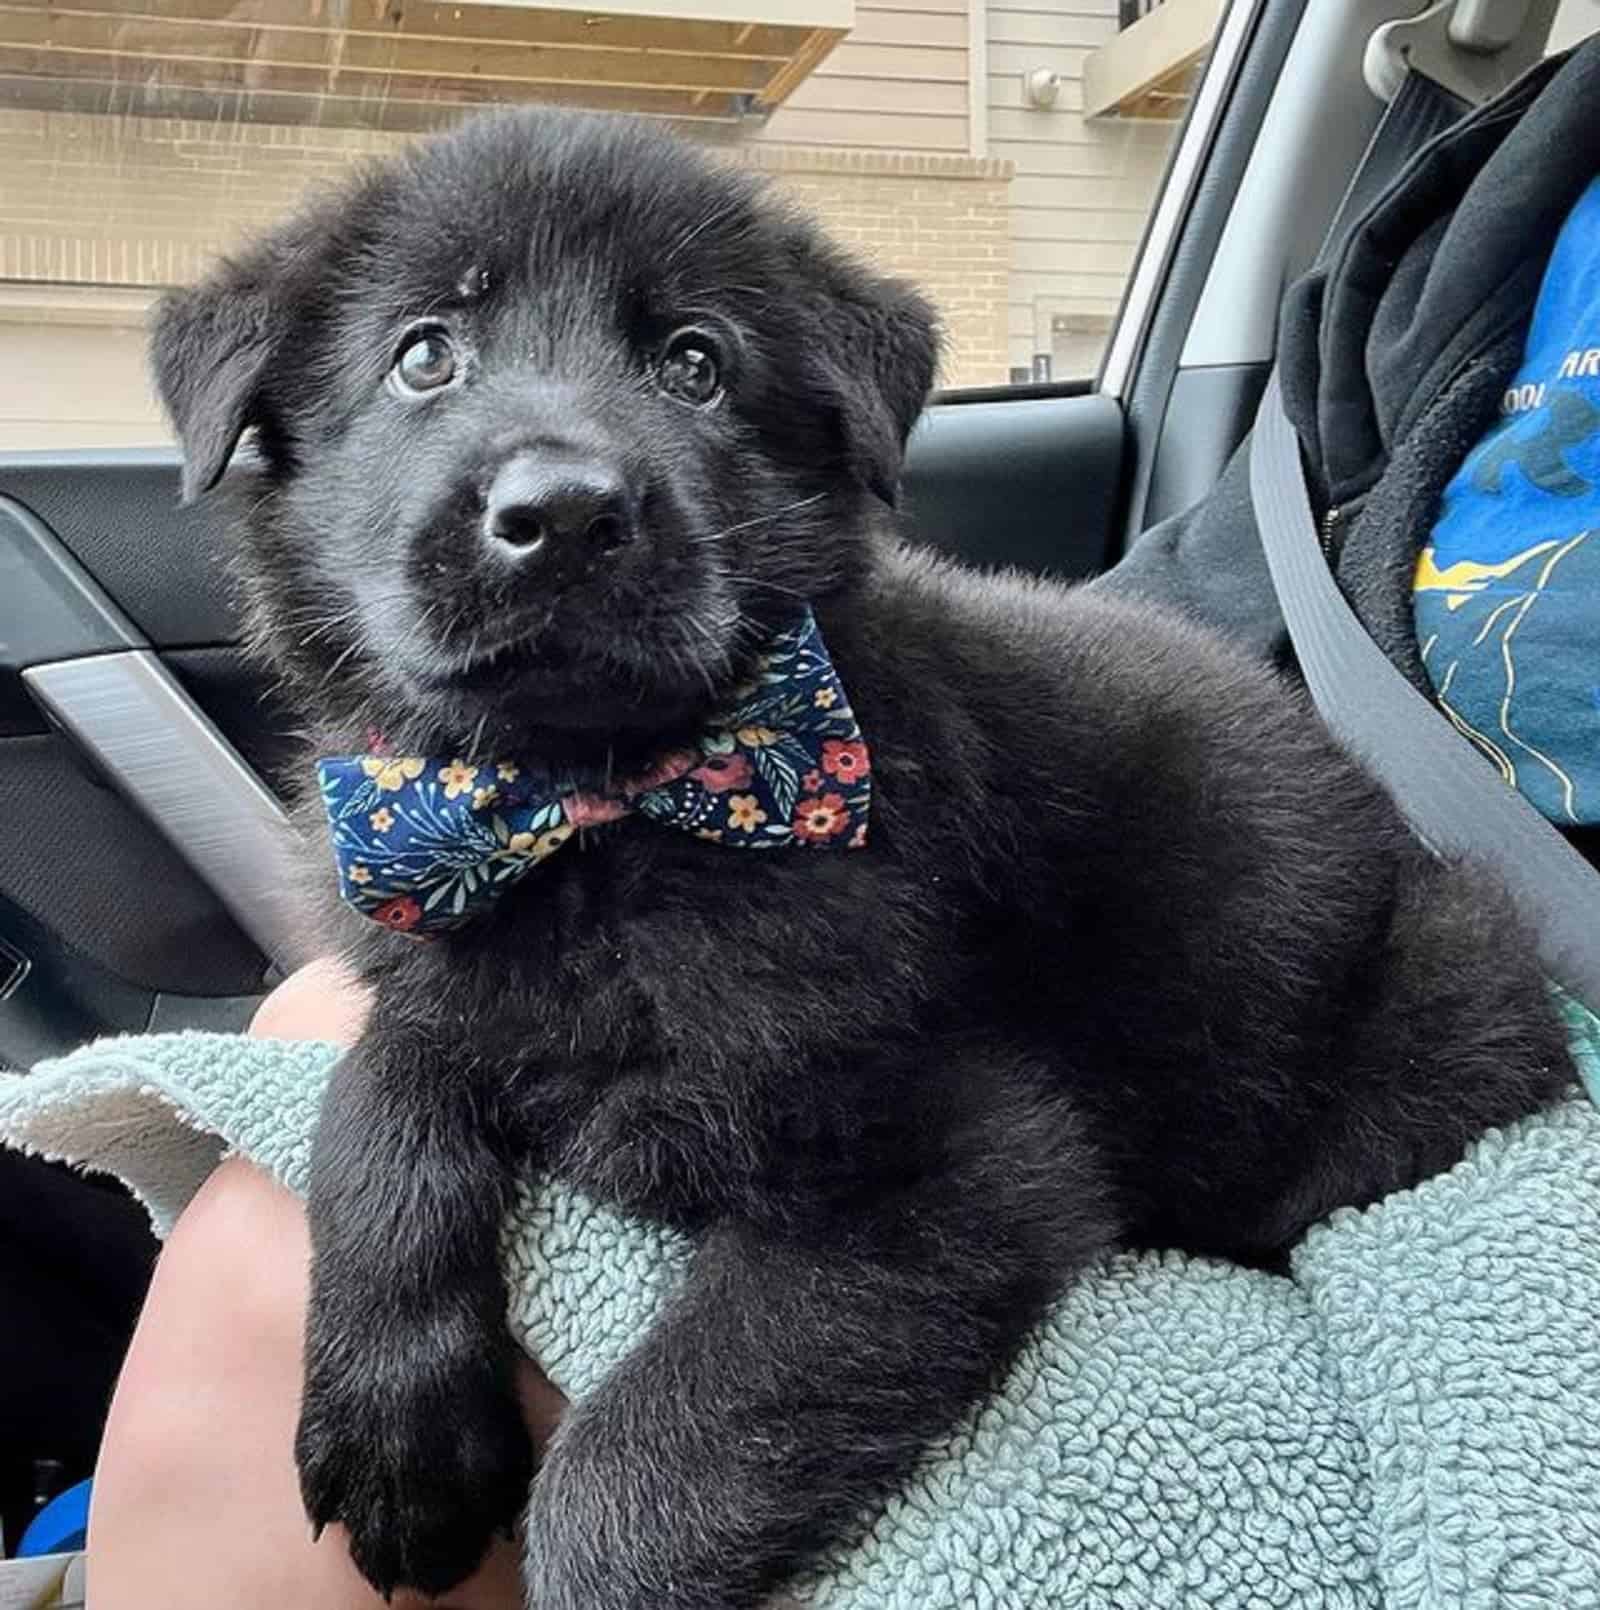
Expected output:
(241, 1209)
(196, 1500)
(226, 1306)
(200, 1432)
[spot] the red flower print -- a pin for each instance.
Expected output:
(719, 773)
(818, 820)
(846, 761)
(590, 810)
(812, 782)
(400, 913)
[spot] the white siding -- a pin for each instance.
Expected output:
(1082, 189)
(69, 385)
(897, 82)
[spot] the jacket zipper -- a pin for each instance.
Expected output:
(1328, 532)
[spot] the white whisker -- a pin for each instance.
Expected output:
(333, 670)
(761, 519)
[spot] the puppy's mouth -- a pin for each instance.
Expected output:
(571, 705)
(505, 665)
(494, 661)
(535, 679)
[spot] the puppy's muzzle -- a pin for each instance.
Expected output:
(551, 520)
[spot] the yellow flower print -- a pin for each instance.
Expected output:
(482, 798)
(458, 778)
(756, 737)
(382, 819)
(536, 846)
(507, 771)
(745, 813)
(360, 874)
(825, 698)
(390, 773)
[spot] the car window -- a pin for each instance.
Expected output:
(1575, 21)
(1003, 153)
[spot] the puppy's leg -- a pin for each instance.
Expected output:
(410, 1436)
(790, 1386)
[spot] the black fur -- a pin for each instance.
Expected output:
(1134, 953)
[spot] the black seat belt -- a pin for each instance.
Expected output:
(1456, 804)
(1420, 109)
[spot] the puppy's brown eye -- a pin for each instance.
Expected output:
(426, 362)
(688, 369)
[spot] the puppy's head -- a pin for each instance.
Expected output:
(556, 418)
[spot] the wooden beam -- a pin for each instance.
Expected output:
(446, 24)
(1147, 64)
(409, 64)
(209, 103)
(799, 67)
(302, 95)
(516, 70)
(840, 14)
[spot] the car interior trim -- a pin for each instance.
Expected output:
(53, 609)
(151, 741)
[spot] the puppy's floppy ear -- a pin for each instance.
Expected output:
(881, 341)
(210, 346)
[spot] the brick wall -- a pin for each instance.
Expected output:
(941, 221)
(91, 199)
(144, 202)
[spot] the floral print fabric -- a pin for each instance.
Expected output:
(426, 844)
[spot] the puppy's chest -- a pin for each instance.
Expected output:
(642, 952)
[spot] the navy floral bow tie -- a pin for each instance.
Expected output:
(425, 845)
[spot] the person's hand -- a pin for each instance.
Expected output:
(196, 1500)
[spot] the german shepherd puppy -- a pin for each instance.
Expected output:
(561, 424)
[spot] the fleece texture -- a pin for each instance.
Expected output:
(1410, 1420)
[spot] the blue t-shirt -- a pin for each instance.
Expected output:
(1507, 590)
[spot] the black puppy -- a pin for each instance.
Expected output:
(561, 424)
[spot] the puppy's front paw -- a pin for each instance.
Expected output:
(593, 1539)
(420, 1456)
(616, 1519)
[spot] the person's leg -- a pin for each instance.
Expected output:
(196, 1501)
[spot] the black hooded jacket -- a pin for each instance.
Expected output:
(1393, 358)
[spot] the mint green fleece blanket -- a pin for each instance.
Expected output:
(1411, 1419)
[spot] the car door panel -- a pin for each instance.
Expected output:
(1210, 411)
(104, 910)
(77, 855)
(1030, 482)
(117, 513)
(53, 996)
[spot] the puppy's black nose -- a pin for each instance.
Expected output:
(558, 511)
